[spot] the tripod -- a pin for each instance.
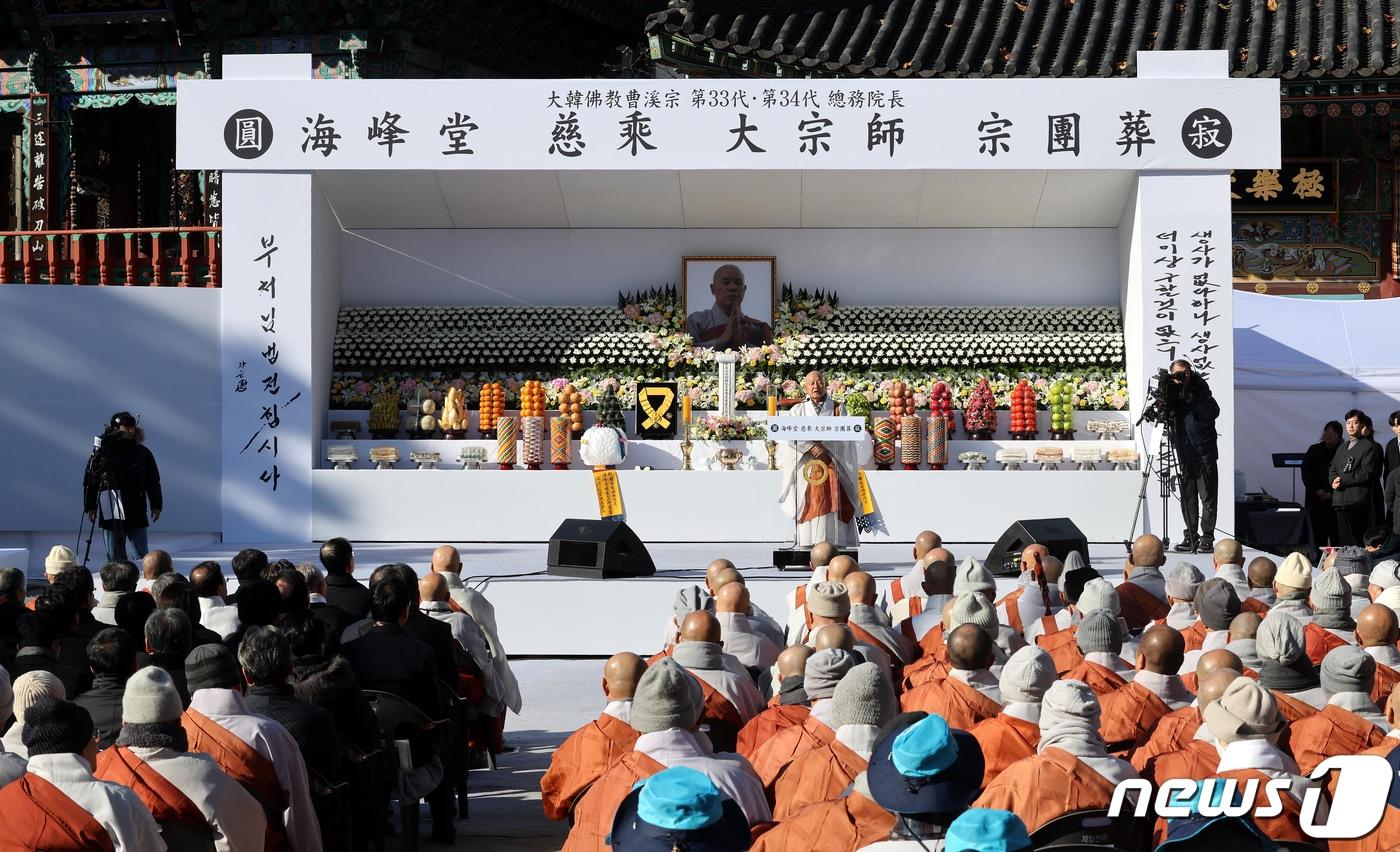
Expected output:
(1164, 465)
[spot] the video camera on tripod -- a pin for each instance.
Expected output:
(1163, 391)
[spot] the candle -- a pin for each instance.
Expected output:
(772, 405)
(685, 408)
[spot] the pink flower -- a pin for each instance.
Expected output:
(1091, 387)
(655, 318)
(694, 394)
(435, 396)
(789, 386)
(631, 312)
(871, 396)
(761, 382)
(408, 385)
(886, 386)
(362, 388)
(825, 311)
(559, 383)
(744, 396)
(800, 317)
(920, 400)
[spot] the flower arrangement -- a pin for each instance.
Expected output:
(713, 427)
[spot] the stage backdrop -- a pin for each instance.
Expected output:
(1300, 363)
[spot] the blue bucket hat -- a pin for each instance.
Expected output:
(987, 830)
(925, 769)
(678, 808)
(1206, 834)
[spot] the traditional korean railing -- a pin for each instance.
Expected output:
(112, 257)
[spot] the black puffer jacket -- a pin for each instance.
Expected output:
(1193, 419)
(331, 684)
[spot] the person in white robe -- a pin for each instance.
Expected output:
(806, 491)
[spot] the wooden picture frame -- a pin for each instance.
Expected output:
(697, 275)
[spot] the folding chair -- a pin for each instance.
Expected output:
(397, 716)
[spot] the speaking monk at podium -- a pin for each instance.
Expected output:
(819, 477)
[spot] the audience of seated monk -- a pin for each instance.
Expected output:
(970, 693)
(588, 752)
(823, 672)
(1099, 637)
(1014, 732)
(869, 623)
(1286, 669)
(1377, 631)
(1130, 712)
(788, 706)
(1176, 729)
(1143, 592)
(741, 635)
(1244, 632)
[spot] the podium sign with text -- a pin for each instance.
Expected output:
(817, 428)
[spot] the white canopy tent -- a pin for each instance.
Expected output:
(1300, 363)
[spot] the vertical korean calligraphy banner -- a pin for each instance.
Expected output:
(269, 403)
(1179, 285)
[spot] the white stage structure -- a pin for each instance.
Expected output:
(501, 192)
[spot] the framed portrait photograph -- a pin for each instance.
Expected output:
(729, 301)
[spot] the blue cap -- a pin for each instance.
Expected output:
(925, 748)
(924, 769)
(987, 830)
(680, 799)
(1198, 832)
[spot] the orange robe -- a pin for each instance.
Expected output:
(1138, 606)
(1195, 636)
(581, 760)
(772, 757)
(1128, 716)
(819, 775)
(1328, 732)
(1197, 760)
(38, 815)
(1319, 641)
(593, 815)
(932, 641)
(1099, 678)
(932, 666)
(163, 799)
(762, 727)
(1062, 647)
(1004, 740)
(1386, 836)
(845, 825)
(1254, 605)
(1046, 787)
(1292, 709)
(1285, 826)
(960, 705)
(1386, 679)
(719, 717)
(245, 765)
(1173, 732)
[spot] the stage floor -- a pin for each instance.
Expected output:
(540, 615)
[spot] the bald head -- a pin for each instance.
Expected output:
(700, 626)
(1161, 650)
(860, 588)
(833, 636)
(732, 597)
(1148, 552)
(712, 571)
(943, 617)
(446, 558)
(620, 675)
(724, 577)
(822, 554)
(969, 648)
(939, 577)
(1212, 686)
(432, 587)
(941, 554)
(1212, 661)
(1261, 572)
(155, 563)
(1030, 553)
(1053, 569)
(1227, 552)
(1377, 625)
(840, 567)
(926, 541)
(792, 662)
(1244, 626)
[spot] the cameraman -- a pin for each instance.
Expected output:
(1193, 412)
(121, 463)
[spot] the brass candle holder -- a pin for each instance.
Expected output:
(772, 447)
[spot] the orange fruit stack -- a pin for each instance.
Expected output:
(571, 406)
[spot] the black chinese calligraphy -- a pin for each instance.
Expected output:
(456, 129)
(743, 131)
(566, 140)
(813, 134)
(320, 135)
(994, 134)
(1206, 133)
(636, 129)
(1135, 132)
(1062, 135)
(386, 132)
(884, 133)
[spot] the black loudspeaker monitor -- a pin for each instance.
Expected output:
(599, 550)
(1059, 535)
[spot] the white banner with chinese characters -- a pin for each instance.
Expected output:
(816, 429)
(1182, 284)
(268, 448)
(1173, 124)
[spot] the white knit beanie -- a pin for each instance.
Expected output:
(31, 686)
(1099, 594)
(1027, 675)
(150, 697)
(973, 608)
(972, 577)
(1183, 581)
(1280, 638)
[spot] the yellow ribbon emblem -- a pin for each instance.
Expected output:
(656, 412)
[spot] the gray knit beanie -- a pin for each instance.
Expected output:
(972, 577)
(1217, 603)
(150, 697)
(1099, 631)
(829, 600)
(1183, 581)
(864, 696)
(1280, 638)
(1331, 593)
(973, 608)
(1027, 675)
(667, 697)
(824, 671)
(1386, 574)
(1351, 560)
(1347, 668)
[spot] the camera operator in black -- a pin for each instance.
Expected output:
(1193, 411)
(124, 464)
